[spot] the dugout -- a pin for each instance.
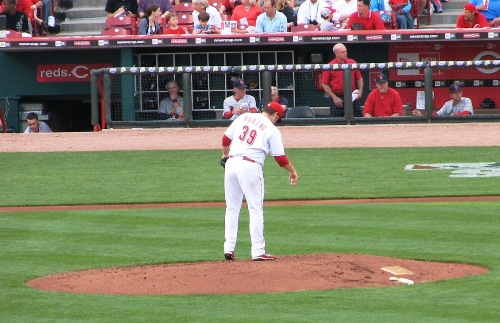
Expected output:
(54, 71)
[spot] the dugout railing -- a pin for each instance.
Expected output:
(118, 99)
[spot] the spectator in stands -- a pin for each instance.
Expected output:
(271, 20)
(30, 8)
(457, 106)
(310, 12)
(329, 23)
(227, 6)
(245, 16)
(34, 125)
(383, 101)
(471, 18)
(173, 104)
(204, 27)
(240, 102)
(491, 10)
(149, 24)
(203, 6)
(165, 7)
(275, 97)
(116, 8)
(47, 10)
(173, 27)
(15, 20)
(343, 10)
(333, 83)
(284, 7)
(364, 18)
(437, 6)
(401, 10)
(295, 4)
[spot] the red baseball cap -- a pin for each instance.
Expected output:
(276, 107)
(470, 7)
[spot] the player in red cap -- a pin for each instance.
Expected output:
(471, 18)
(245, 146)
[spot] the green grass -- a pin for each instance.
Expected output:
(182, 176)
(35, 244)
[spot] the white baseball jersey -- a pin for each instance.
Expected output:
(449, 109)
(254, 136)
(247, 101)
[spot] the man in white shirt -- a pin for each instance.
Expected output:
(343, 9)
(203, 6)
(310, 12)
(34, 125)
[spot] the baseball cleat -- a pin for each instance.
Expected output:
(264, 256)
(229, 256)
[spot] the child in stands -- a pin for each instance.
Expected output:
(203, 27)
(173, 25)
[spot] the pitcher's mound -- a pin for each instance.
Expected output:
(288, 273)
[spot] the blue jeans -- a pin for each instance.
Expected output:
(47, 8)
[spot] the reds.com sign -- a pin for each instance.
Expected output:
(66, 72)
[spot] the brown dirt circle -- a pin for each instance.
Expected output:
(287, 273)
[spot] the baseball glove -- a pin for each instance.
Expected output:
(223, 162)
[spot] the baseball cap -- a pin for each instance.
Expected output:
(326, 11)
(470, 7)
(276, 107)
(455, 87)
(240, 84)
(381, 78)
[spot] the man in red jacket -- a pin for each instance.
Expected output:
(471, 18)
(383, 101)
(333, 84)
(364, 18)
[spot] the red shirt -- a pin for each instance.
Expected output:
(335, 79)
(25, 6)
(371, 22)
(383, 105)
(396, 2)
(178, 31)
(251, 15)
(479, 20)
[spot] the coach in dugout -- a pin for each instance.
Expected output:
(34, 125)
(383, 101)
(240, 102)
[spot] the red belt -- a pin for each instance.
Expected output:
(244, 158)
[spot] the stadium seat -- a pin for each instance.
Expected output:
(116, 31)
(300, 112)
(13, 34)
(122, 22)
(185, 19)
(215, 3)
(183, 7)
(303, 27)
